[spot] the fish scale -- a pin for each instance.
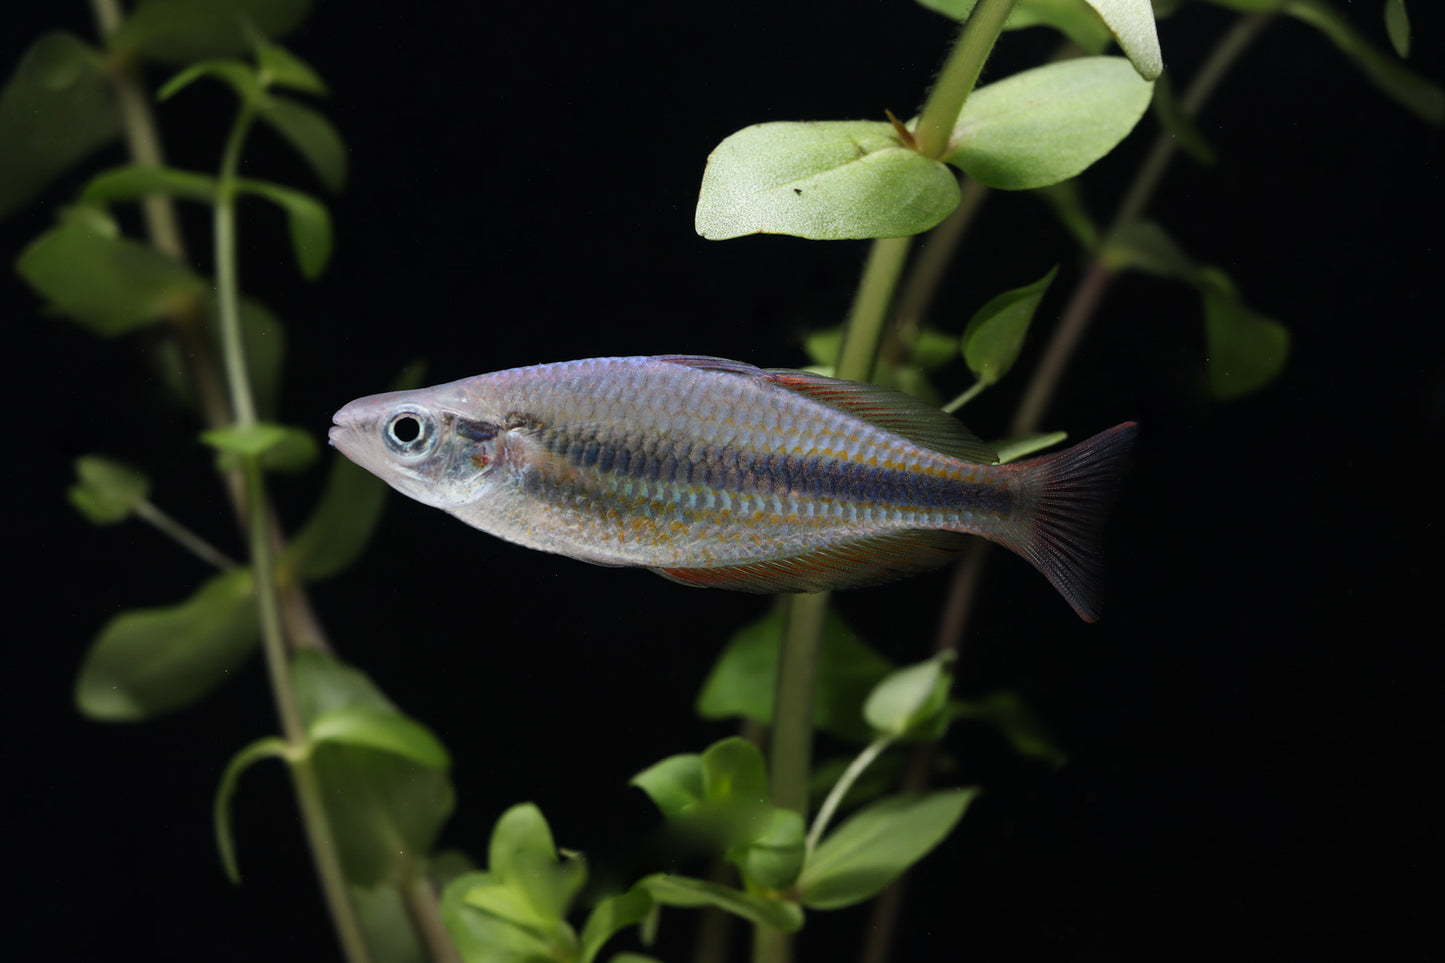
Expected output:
(714, 472)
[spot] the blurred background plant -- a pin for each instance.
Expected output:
(209, 348)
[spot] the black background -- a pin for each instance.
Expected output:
(1254, 731)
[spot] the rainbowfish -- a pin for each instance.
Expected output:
(716, 473)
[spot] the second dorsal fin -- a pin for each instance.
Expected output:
(888, 408)
(892, 410)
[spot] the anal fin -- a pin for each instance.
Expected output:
(866, 561)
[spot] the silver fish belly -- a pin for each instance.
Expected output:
(713, 472)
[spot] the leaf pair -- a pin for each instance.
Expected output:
(383, 775)
(852, 864)
(516, 910)
(858, 179)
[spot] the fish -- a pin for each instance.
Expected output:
(717, 473)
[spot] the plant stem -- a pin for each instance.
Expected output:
(864, 331)
(259, 526)
(960, 73)
(964, 397)
(840, 788)
(792, 738)
(426, 914)
(179, 533)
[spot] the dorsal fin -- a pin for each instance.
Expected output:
(709, 363)
(888, 408)
(867, 561)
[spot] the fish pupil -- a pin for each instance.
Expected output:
(406, 429)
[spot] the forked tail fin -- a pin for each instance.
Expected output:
(1070, 494)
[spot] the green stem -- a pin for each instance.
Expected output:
(965, 397)
(259, 526)
(425, 910)
(179, 533)
(864, 331)
(841, 787)
(792, 738)
(228, 299)
(956, 81)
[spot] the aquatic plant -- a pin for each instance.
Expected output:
(371, 781)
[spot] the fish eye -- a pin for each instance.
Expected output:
(410, 432)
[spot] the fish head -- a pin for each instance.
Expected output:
(418, 444)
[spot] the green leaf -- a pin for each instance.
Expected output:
(523, 856)
(1145, 246)
(1132, 24)
(1008, 713)
(132, 181)
(775, 856)
(324, 684)
(1397, 25)
(382, 729)
(687, 892)
(1187, 135)
(277, 447)
(1409, 89)
(106, 491)
(823, 346)
(183, 31)
(875, 846)
(932, 349)
(1013, 449)
(1074, 18)
(995, 334)
(1046, 125)
(56, 109)
(610, 916)
(312, 135)
(387, 925)
(733, 769)
(385, 809)
(1247, 350)
(481, 937)
(110, 285)
(910, 697)
(338, 530)
(151, 661)
(283, 68)
(744, 678)
(271, 747)
(236, 74)
(310, 224)
(830, 180)
(674, 784)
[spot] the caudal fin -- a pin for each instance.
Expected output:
(1071, 493)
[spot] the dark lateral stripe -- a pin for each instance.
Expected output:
(691, 463)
